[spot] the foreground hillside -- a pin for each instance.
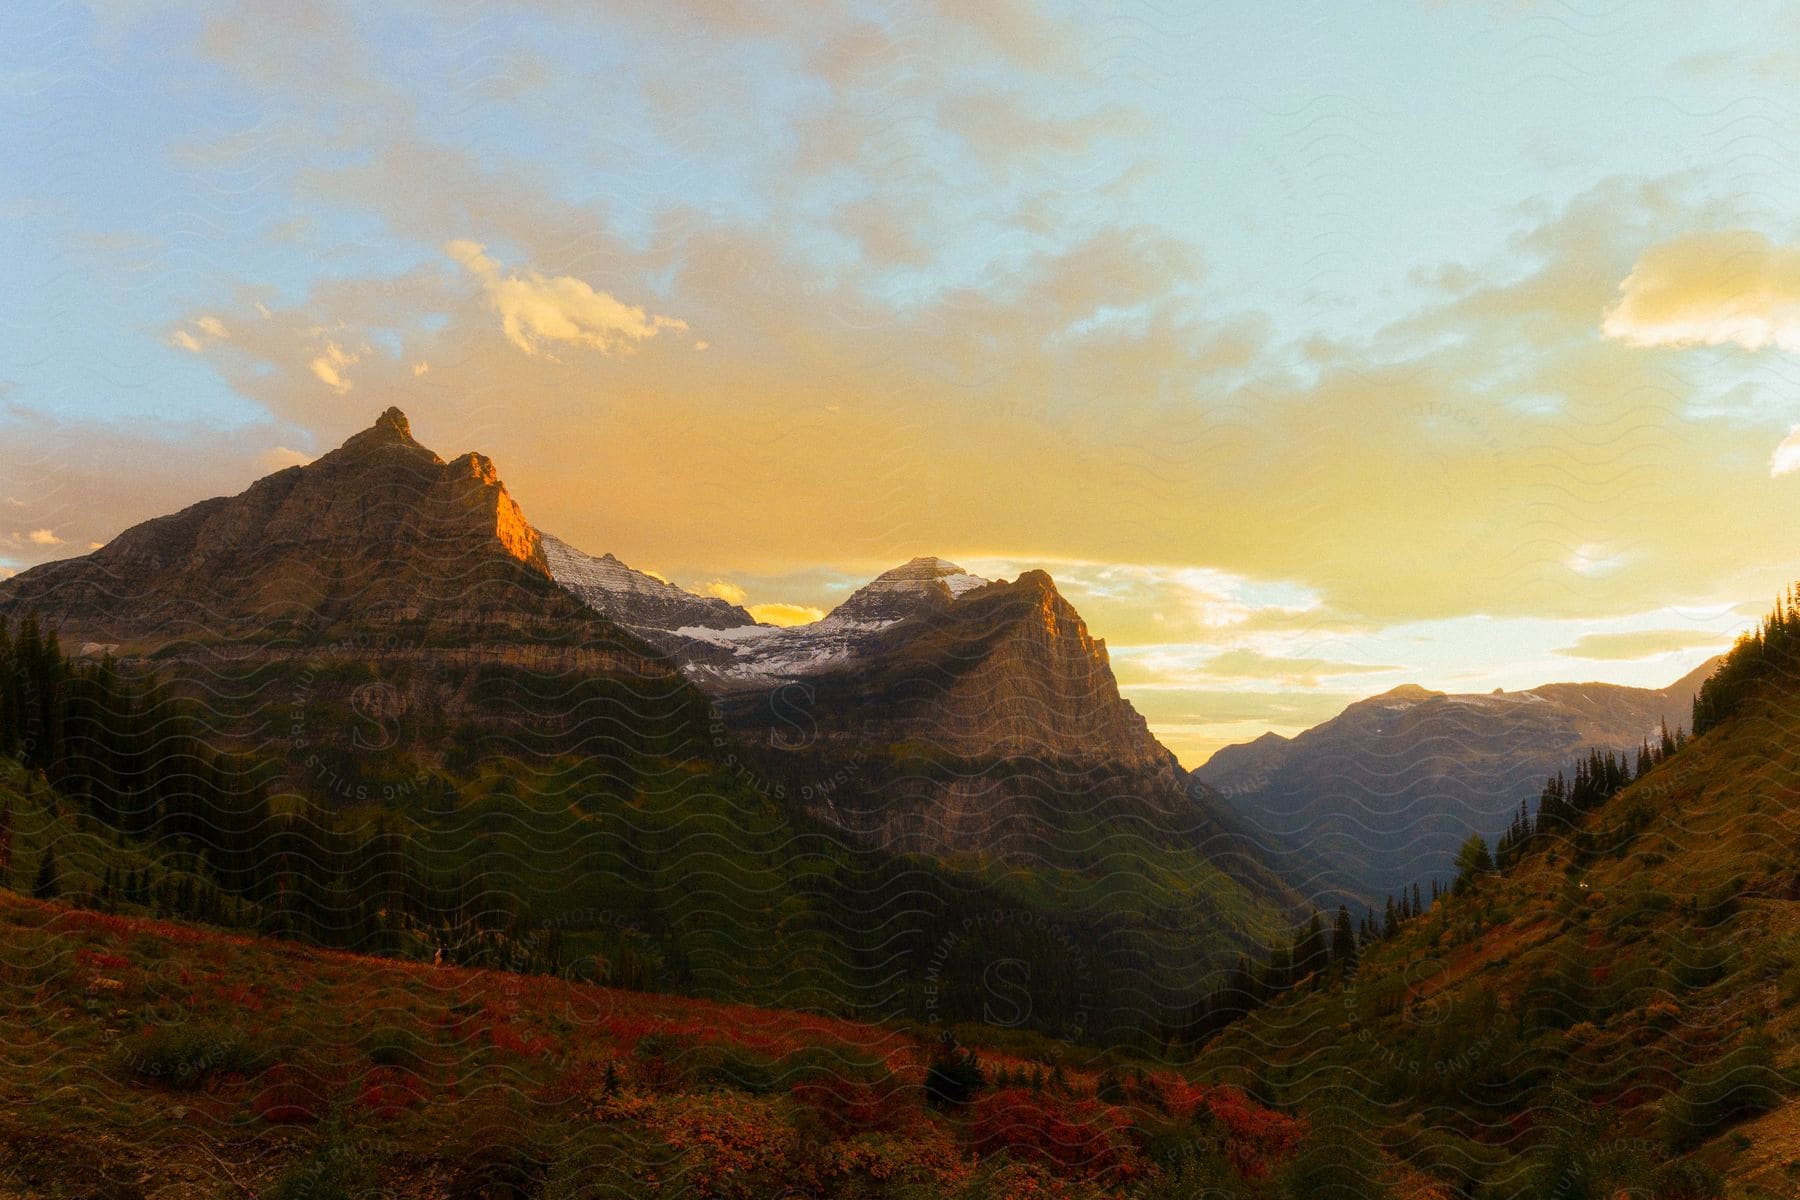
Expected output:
(1616, 1012)
(144, 1059)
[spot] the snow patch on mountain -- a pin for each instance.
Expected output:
(636, 599)
(722, 649)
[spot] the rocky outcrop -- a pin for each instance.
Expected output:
(1386, 791)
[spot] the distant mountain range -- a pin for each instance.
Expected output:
(1385, 792)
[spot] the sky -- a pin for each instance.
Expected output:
(1311, 349)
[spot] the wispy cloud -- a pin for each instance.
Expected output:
(328, 367)
(1640, 644)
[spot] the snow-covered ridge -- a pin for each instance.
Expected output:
(633, 598)
(722, 648)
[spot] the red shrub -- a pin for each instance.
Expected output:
(1254, 1136)
(848, 1107)
(292, 1095)
(389, 1091)
(99, 960)
(510, 1040)
(1084, 1138)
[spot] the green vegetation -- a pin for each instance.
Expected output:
(1607, 1006)
(631, 857)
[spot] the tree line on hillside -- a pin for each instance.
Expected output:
(207, 836)
(1598, 778)
(134, 758)
(1771, 649)
(1313, 957)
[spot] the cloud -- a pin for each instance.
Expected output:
(1186, 668)
(786, 614)
(1711, 289)
(535, 308)
(731, 593)
(1253, 664)
(1786, 458)
(43, 537)
(329, 365)
(1645, 643)
(1593, 560)
(203, 330)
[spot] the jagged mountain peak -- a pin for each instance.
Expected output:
(381, 524)
(390, 433)
(392, 418)
(917, 585)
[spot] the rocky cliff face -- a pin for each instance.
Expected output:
(986, 722)
(1009, 671)
(1387, 790)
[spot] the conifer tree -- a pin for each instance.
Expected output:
(1472, 862)
(49, 881)
(1343, 939)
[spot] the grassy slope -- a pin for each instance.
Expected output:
(144, 1058)
(85, 848)
(1593, 1014)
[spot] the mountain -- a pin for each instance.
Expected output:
(935, 712)
(387, 708)
(938, 691)
(721, 649)
(1387, 790)
(980, 723)
(1614, 1011)
(975, 722)
(379, 598)
(380, 530)
(652, 608)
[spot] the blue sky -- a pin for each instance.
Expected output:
(1312, 348)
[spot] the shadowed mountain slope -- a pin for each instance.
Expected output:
(1386, 791)
(1615, 1011)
